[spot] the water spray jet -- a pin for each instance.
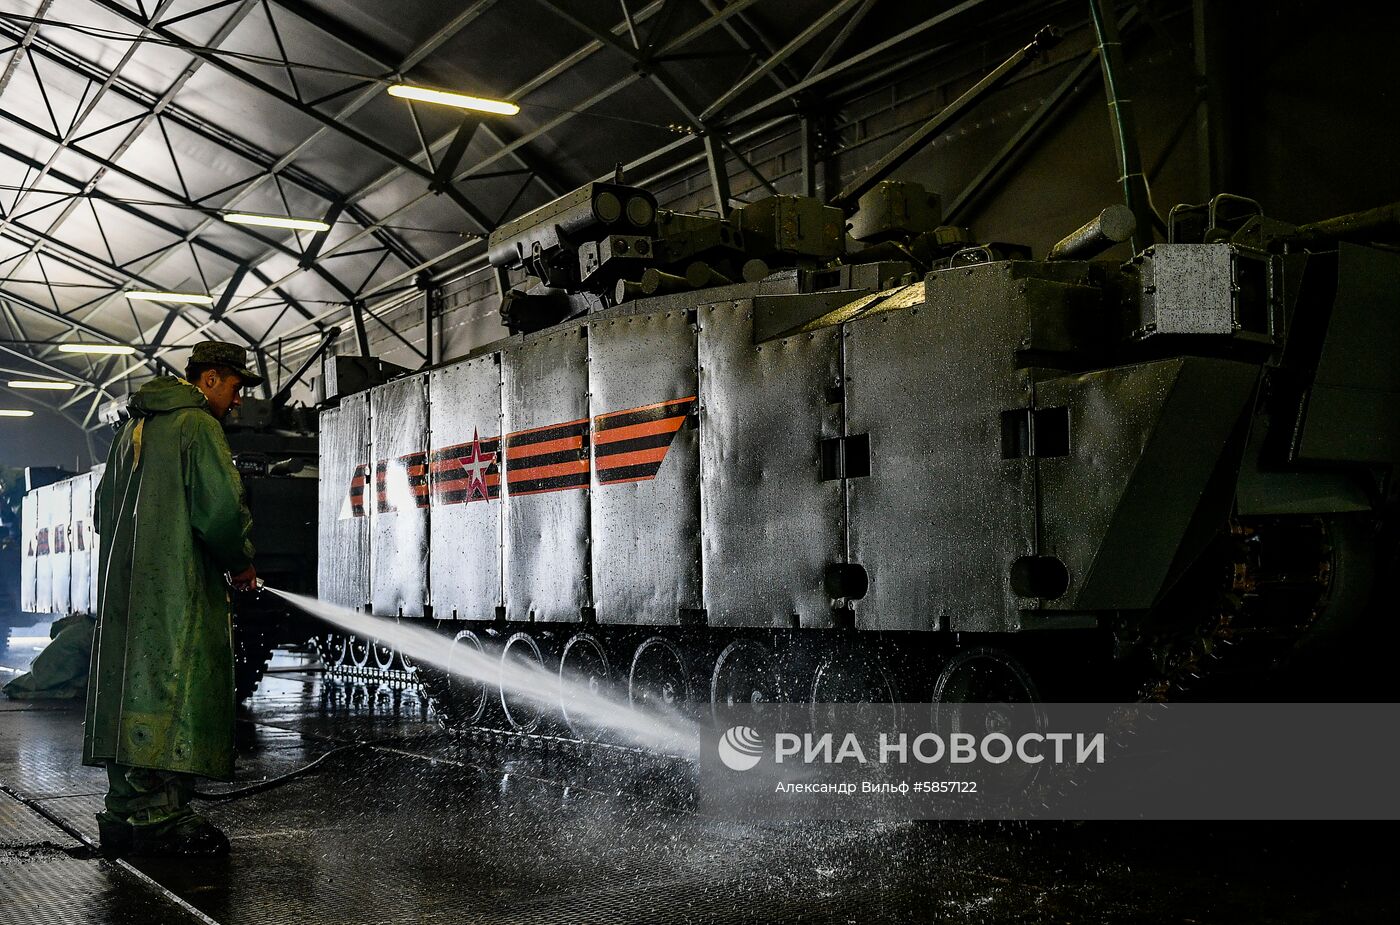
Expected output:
(666, 734)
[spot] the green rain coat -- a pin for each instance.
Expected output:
(172, 517)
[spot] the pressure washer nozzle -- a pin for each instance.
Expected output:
(255, 588)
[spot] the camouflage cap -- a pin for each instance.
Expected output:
(233, 356)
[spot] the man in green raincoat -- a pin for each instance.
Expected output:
(171, 514)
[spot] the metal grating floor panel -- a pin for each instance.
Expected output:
(50, 888)
(47, 877)
(36, 755)
(21, 827)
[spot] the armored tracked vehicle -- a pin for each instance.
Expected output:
(794, 453)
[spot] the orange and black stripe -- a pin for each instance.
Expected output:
(381, 487)
(553, 458)
(415, 466)
(357, 490)
(629, 446)
(450, 484)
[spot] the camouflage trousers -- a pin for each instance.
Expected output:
(143, 796)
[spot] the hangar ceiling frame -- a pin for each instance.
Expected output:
(67, 173)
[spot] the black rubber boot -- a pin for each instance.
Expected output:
(190, 835)
(114, 834)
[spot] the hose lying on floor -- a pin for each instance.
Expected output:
(278, 781)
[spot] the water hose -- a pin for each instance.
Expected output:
(270, 783)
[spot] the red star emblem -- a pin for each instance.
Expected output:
(475, 465)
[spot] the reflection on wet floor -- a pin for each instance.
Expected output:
(423, 826)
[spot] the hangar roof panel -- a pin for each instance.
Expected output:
(129, 127)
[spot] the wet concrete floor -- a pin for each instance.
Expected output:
(421, 826)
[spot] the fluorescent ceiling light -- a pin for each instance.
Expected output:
(15, 413)
(96, 348)
(41, 384)
(424, 95)
(276, 221)
(191, 298)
